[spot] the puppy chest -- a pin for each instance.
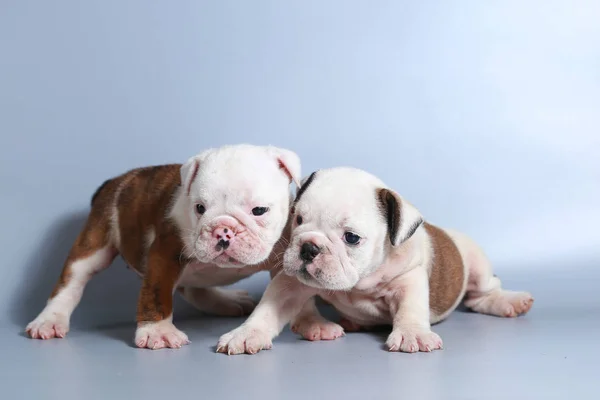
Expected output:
(362, 308)
(207, 275)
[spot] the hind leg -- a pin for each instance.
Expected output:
(311, 325)
(90, 254)
(484, 291)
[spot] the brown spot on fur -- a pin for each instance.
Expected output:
(447, 276)
(142, 205)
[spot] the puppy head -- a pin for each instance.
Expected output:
(234, 203)
(345, 222)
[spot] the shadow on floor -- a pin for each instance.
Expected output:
(43, 267)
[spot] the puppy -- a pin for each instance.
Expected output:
(368, 252)
(210, 222)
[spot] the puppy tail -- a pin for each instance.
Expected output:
(97, 192)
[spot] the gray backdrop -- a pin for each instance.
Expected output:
(483, 114)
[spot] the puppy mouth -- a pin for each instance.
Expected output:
(303, 273)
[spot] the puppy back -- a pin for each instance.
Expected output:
(447, 281)
(135, 206)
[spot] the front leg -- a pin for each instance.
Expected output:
(309, 323)
(283, 299)
(411, 331)
(155, 329)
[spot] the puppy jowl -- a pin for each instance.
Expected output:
(371, 255)
(183, 228)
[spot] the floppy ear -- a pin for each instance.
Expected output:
(304, 185)
(289, 162)
(403, 219)
(188, 172)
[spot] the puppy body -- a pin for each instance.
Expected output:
(368, 252)
(209, 222)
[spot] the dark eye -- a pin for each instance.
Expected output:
(351, 238)
(299, 219)
(259, 210)
(200, 209)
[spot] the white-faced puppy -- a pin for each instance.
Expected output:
(210, 222)
(367, 251)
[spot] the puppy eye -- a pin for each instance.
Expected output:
(200, 209)
(299, 219)
(351, 238)
(259, 210)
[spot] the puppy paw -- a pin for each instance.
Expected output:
(245, 339)
(48, 325)
(158, 335)
(518, 303)
(317, 329)
(502, 303)
(413, 340)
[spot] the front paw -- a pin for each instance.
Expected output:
(48, 325)
(411, 340)
(317, 329)
(158, 335)
(245, 339)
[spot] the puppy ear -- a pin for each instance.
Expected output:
(289, 162)
(188, 173)
(304, 185)
(403, 219)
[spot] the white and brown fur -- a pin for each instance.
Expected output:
(148, 216)
(403, 272)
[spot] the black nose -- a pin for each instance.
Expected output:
(309, 251)
(224, 244)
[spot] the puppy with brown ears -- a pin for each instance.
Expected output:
(210, 222)
(364, 249)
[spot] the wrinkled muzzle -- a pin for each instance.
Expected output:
(317, 262)
(227, 242)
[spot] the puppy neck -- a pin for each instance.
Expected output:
(397, 261)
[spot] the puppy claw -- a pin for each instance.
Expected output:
(412, 341)
(48, 325)
(159, 335)
(245, 339)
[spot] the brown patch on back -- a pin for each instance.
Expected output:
(447, 276)
(142, 205)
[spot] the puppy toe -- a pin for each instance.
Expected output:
(411, 341)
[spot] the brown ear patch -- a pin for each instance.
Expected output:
(391, 212)
(447, 277)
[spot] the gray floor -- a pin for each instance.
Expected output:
(551, 353)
